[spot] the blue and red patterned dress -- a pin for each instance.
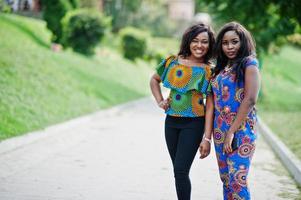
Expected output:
(228, 93)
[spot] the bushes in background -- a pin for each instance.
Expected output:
(53, 12)
(295, 39)
(83, 30)
(133, 43)
(4, 7)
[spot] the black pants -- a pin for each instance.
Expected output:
(183, 136)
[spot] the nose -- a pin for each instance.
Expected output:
(230, 46)
(199, 44)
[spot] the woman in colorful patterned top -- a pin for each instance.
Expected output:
(235, 87)
(187, 76)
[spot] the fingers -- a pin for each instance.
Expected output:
(204, 154)
(201, 149)
(164, 104)
(167, 101)
(204, 151)
(227, 148)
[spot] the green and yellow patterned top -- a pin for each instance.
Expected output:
(187, 84)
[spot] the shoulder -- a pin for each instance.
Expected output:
(251, 61)
(168, 60)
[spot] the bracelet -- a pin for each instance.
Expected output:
(159, 104)
(207, 139)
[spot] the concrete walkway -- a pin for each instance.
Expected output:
(119, 154)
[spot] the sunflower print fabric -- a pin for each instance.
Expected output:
(188, 85)
(233, 168)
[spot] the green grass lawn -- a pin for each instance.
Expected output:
(280, 106)
(39, 87)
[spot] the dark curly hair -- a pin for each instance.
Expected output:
(193, 32)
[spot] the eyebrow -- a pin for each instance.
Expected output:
(231, 39)
(201, 39)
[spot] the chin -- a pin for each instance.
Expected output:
(231, 57)
(199, 55)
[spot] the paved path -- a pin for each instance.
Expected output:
(119, 154)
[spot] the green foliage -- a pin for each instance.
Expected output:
(89, 3)
(74, 3)
(281, 83)
(295, 39)
(4, 7)
(136, 13)
(269, 21)
(133, 42)
(154, 54)
(83, 30)
(160, 48)
(53, 12)
(158, 23)
(40, 87)
(280, 106)
(122, 12)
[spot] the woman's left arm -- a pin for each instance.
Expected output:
(251, 89)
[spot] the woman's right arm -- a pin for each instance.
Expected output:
(156, 91)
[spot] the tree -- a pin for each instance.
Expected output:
(5, 6)
(53, 13)
(83, 30)
(121, 11)
(270, 21)
(74, 3)
(89, 3)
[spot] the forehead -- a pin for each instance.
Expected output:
(229, 35)
(202, 35)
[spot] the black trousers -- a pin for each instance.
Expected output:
(183, 136)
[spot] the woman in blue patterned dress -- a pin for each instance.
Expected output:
(235, 86)
(187, 76)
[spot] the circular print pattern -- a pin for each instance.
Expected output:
(239, 95)
(218, 136)
(197, 104)
(207, 72)
(180, 102)
(245, 150)
(179, 76)
(241, 177)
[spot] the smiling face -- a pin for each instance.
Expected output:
(230, 44)
(199, 45)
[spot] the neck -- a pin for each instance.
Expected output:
(231, 62)
(194, 59)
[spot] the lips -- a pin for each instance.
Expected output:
(198, 51)
(231, 53)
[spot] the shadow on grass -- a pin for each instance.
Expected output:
(24, 29)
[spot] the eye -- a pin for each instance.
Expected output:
(235, 41)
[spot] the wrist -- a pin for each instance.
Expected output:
(230, 132)
(206, 139)
(159, 103)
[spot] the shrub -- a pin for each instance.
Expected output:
(53, 12)
(83, 30)
(5, 7)
(74, 3)
(295, 39)
(133, 43)
(155, 54)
